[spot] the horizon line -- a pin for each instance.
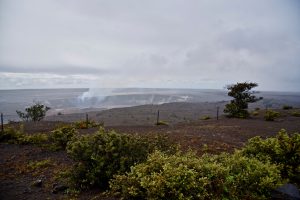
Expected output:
(174, 88)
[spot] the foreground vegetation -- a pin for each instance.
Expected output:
(100, 156)
(152, 167)
(250, 173)
(186, 176)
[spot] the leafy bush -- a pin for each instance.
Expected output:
(86, 125)
(283, 150)
(33, 165)
(15, 136)
(38, 138)
(271, 115)
(61, 136)
(159, 142)
(185, 176)
(249, 178)
(35, 112)
(98, 157)
(159, 123)
(206, 117)
(286, 107)
(10, 135)
(296, 114)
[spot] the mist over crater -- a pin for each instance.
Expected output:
(123, 97)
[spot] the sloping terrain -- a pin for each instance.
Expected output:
(18, 177)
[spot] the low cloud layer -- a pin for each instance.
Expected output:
(136, 43)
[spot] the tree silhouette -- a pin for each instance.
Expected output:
(242, 94)
(34, 113)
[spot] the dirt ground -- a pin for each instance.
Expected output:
(212, 136)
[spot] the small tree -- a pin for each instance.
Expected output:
(242, 96)
(34, 113)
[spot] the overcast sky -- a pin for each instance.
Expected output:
(153, 43)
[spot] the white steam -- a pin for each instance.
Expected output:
(99, 93)
(94, 97)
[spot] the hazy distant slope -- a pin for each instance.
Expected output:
(67, 101)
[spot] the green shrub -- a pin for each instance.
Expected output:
(249, 178)
(98, 157)
(159, 123)
(206, 117)
(86, 125)
(16, 136)
(159, 142)
(35, 112)
(61, 136)
(38, 138)
(255, 113)
(33, 165)
(286, 107)
(10, 135)
(283, 150)
(296, 114)
(271, 115)
(186, 176)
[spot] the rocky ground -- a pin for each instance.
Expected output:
(20, 180)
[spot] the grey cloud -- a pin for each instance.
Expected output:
(62, 70)
(259, 41)
(133, 43)
(27, 80)
(158, 59)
